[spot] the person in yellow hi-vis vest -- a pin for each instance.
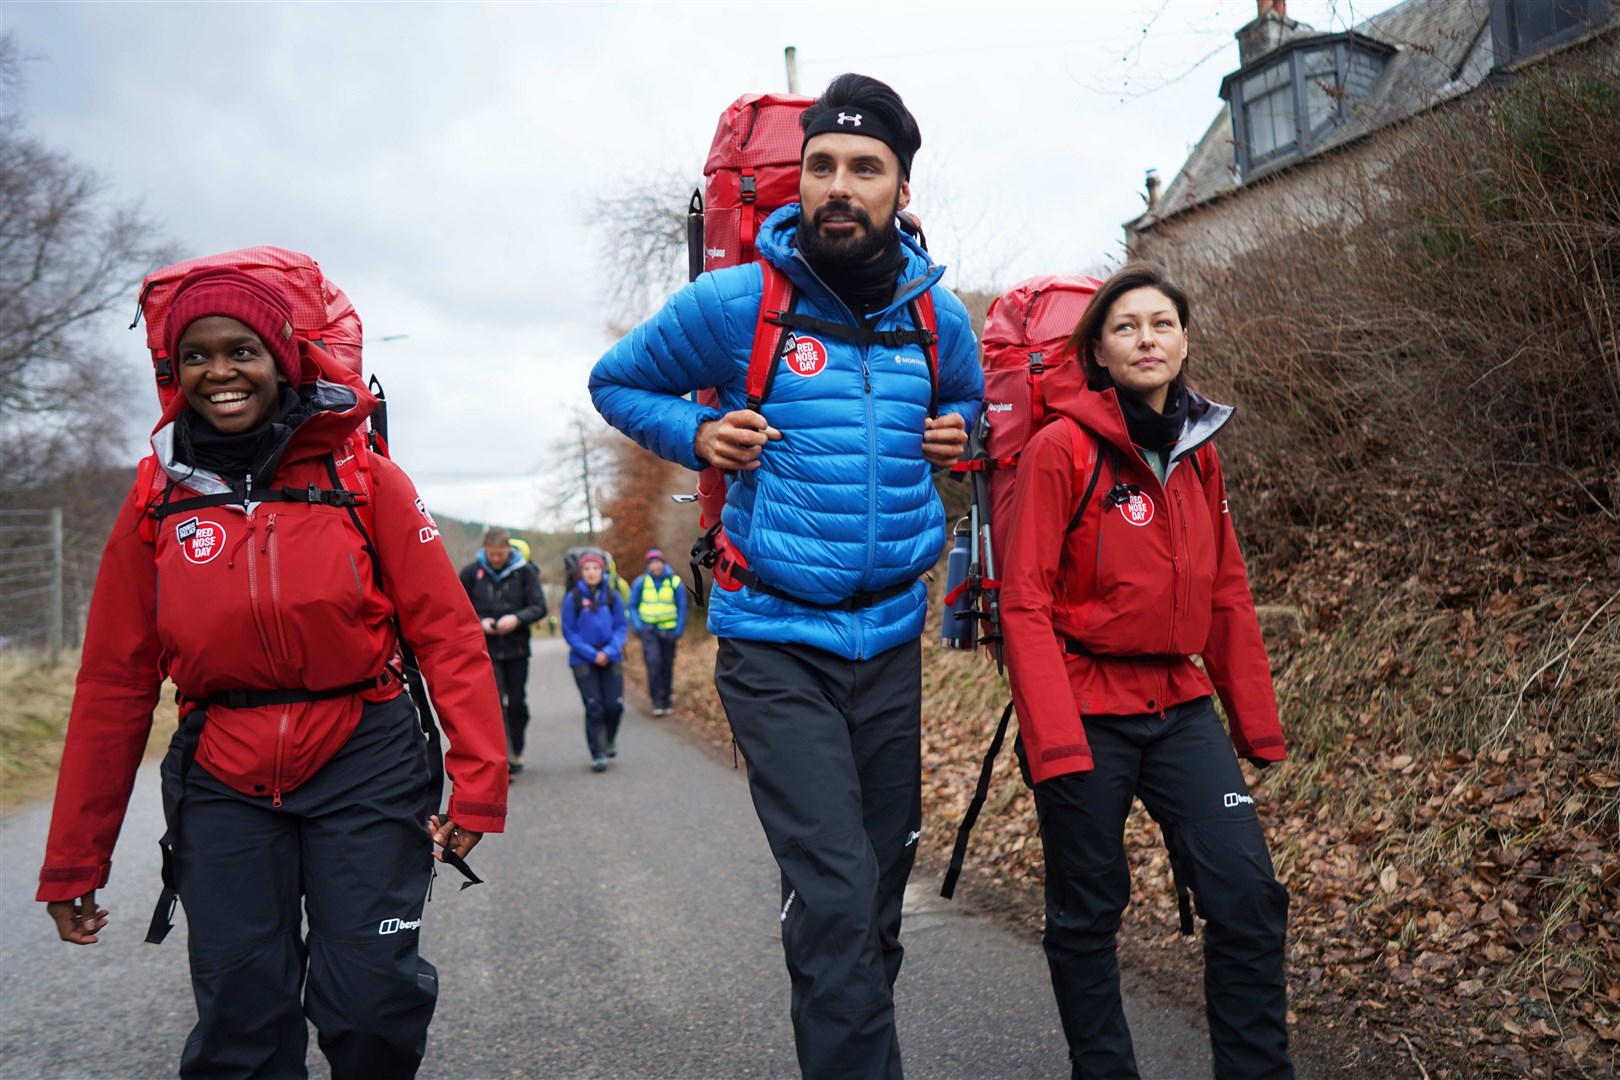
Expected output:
(658, 616)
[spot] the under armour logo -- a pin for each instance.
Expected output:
(852, 121)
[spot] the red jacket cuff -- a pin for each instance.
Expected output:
(70, 882)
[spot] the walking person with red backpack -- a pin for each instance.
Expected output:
(279, 570)
(1121, 566)
(845, 374)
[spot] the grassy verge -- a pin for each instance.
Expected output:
(34, 703)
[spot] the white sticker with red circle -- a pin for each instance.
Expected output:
(200, 541)
(1138, 509)
(806, 357)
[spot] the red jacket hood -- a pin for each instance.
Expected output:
(1099, 411)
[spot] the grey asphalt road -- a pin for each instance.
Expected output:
(628, 928)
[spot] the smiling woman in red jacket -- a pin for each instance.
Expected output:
(1104, 605)
(263, 561)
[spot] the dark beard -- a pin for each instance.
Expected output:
(846, 253)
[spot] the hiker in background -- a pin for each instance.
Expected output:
(658, 616)
(297, 785)
(1101, 621)
(831, 519)
(504, 587)
(594, 626)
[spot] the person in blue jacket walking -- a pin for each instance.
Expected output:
(658, 616)
(831, 518)
(594, 626)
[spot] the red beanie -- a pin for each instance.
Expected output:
(592, 558)
(258, 305)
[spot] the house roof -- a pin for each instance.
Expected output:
(1442, 49)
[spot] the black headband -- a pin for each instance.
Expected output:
(852, 120)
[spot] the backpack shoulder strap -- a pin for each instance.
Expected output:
(1088, 461)
(777, 298)
(150, 482)
(353, 473)
(922, 313)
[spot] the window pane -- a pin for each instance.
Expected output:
(1321, 85)
(1534, 21)
(1271, 122)
(1263, 82)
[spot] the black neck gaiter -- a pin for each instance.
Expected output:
(202, 446)
(1149, 429)
(866, 287)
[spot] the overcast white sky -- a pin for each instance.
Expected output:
(440, 160)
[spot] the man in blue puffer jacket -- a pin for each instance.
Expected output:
(832, 514)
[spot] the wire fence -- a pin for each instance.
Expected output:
(47, 569)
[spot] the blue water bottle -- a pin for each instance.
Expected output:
(958, 628)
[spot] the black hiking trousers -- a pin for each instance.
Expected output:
(512, 684)
(834, 751)
(1182, 766)
(350, 848)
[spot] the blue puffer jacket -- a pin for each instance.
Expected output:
(845, 501)
(593, 621)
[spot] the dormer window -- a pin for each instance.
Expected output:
(1520, 28)
(1290, 100)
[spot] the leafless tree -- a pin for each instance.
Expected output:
(643, 234)
(588, 445)
(68, 256)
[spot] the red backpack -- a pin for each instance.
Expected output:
(751, 172)
(322, 315)
(1027, 367)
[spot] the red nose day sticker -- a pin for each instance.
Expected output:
(201, 541)
(1138, 510)
(807, 357)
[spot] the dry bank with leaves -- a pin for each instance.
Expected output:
(1425, 473)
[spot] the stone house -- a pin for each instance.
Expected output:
(1310, 120)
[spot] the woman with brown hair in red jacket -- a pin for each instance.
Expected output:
(1122, 567)
(273, 567)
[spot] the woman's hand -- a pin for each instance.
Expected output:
(488, 626)
(447, 834)
(506, 624)
(78, 920)
(601, 659)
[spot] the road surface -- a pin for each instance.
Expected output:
(628, 928)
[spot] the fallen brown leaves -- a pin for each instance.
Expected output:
(1448, 823)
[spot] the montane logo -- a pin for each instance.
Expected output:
(1234, 799)
(394, 926)
(788, 903)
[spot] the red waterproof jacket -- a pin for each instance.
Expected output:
(277, 595)
(1142, 587)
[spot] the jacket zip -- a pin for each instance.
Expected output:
(1186, 549)
(281, 747)
(871, 497)
(275, 585)
(253, 597)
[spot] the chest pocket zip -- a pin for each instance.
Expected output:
(273, 550)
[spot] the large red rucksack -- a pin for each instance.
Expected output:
(322, 315)
(1028, 367)
(751, 172)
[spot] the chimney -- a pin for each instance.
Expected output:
(1270, 28)
(1153, 184)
